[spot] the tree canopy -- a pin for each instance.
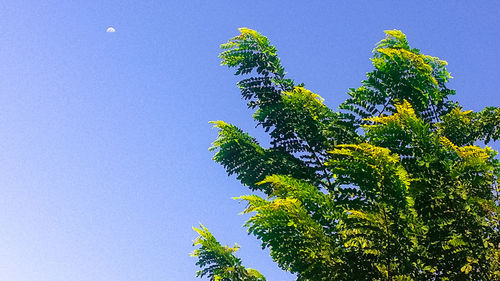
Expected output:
(395, 184)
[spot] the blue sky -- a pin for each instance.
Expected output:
(105, 166)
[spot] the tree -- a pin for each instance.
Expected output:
(393, 185)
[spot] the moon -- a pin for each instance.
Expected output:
(110, 29)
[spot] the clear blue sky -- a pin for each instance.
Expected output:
(104, 163)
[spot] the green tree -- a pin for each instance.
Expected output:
(394, 185)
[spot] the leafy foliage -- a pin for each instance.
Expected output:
(401, 73)
(392, 186)
(219, 262)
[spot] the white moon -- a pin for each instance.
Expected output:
(110, 29)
